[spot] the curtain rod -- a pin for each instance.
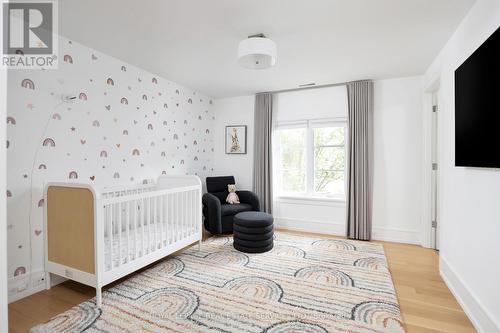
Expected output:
(309, 87)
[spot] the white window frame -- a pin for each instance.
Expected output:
(309, 125)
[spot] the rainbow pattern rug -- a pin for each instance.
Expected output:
(302, 285)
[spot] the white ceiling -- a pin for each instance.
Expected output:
(194, 42)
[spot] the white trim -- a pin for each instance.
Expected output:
(310, 201)
(480, 317)
(339, 229)
(322, 227)
(396, 235)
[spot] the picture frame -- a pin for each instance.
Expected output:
(236, 139)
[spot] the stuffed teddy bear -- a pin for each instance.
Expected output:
(232, 197)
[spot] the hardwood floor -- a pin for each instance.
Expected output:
(426, 303)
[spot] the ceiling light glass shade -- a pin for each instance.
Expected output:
(257, 53)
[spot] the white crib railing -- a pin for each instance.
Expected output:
(138, 224)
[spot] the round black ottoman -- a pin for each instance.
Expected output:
(253, 232)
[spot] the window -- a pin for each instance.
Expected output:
(310, 159)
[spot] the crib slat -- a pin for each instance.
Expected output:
(142, 226)
(148, 220)
(119, 234)
(190, 212)
(109, 224)
(170, 229)
(155, 223)
(162, 219)
(134, 206)
(127, 228)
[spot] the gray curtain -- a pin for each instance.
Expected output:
(360, 160)
(262, 168)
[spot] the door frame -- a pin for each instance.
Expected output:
(427, 235)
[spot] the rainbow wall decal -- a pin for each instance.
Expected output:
(96, 123)
(42, 167)
(190, 101)
(165, 105)
(40, 203)
(196, 158)
(20, 270)
(9, 194)
(207, 131)
(163, 154)
(182, 161)
(28, 84)
(154, 80)
(103, 153)
(56, 116)
(165, 123)
(110, 81)
(116, 175)
(67, 58)
(177, 91)
(82, 96)
(135, 152)
(73, 175)
(11, 120)
(195, 142)
(144, 97)
(176, 137)
(124, 69)
(124, 101)
(150, 126)
(48, 142)
(125, 132)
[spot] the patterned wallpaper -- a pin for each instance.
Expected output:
(126, 126)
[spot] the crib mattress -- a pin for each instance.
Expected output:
(130, 243)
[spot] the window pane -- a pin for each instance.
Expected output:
(329, 161)
(292, 160)
(329, 136)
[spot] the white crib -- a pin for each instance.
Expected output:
(97, 237)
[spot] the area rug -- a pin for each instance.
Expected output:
(302, 285)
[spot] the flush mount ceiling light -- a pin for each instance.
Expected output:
(257, 52)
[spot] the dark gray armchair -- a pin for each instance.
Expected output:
(219, 214)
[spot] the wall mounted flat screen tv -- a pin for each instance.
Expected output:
(477, 107)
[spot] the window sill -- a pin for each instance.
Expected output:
(324, 201)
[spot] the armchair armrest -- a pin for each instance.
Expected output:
(250, 198)
(213, 212)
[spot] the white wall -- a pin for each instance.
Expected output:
(98, 139)
(398, 158)
(469, 210)
(3, 210)
(397, 185)
(234, 111)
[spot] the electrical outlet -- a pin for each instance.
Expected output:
(38, 279)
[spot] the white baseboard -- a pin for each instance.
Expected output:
(20, 286)
(338, 229)
(480, 317)
(396, 235)
(321, 227)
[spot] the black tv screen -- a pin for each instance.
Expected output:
(477, 107)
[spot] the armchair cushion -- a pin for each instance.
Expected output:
(234, 209)
(219, 184)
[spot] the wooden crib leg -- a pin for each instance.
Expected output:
(98, 297)
(199, 245)
(47, 281)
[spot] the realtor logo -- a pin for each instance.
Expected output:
(29, 36)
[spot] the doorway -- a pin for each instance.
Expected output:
(434, 240)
